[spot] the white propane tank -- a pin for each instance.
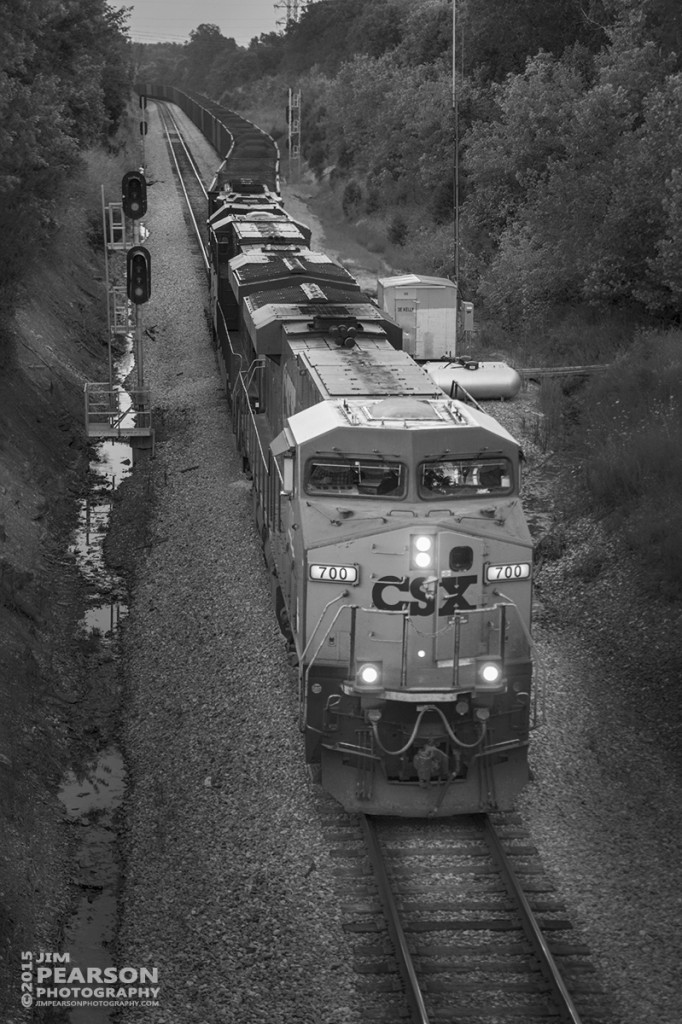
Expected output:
(479, 379)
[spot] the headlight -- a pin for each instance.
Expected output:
(421, 552)
(489, 674)
(368, 674)
(368, 678)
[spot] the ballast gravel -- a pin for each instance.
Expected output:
(228, 887)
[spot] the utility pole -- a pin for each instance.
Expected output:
(294, 132)
(455, 112)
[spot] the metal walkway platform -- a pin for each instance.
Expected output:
(112, 411)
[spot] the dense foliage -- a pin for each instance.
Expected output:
(64, 84)
(569, 120)
(568, 116)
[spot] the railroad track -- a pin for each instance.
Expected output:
(455, 922)
(189, 180)
(539, 373)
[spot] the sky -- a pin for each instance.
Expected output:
(171, 21)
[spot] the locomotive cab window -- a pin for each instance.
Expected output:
(465, 478)
(355, 478)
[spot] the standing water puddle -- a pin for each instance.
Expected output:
(92, 796)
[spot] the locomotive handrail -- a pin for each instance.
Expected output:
(240, 381)
(306, 673)
(228, 339)
(537, 660)
(328, 605)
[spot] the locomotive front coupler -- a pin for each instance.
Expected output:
(429, 762)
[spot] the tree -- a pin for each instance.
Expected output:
(427, 33)
(505, 158)
(64, 78)
(332, 33)
(207, 47)
(497, 37)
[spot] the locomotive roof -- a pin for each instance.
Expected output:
(415, 428)
(236, 205)
(263, 229)
(312, 311)
(305, 293)
(255, 266)
(371, 368)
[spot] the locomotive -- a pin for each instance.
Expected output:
(390, 516)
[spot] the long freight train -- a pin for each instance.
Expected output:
(389, 513)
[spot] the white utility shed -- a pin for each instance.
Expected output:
(426, 309)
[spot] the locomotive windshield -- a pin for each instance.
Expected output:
(464, 478)
(349, 477)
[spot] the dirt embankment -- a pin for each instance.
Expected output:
(50, 721)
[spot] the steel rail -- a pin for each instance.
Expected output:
(406, 967)
(167, 114)
(531, 928)
(195, 167)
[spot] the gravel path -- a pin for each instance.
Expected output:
(228, 887)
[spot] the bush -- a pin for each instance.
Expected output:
(629, 436)
(398, 230)
(352, 198)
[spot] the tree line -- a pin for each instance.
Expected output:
(570, 197)
(65, 80)
(568, 116)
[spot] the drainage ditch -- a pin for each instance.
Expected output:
(92, 793)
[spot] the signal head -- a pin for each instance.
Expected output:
(139, 274)
(134, 188)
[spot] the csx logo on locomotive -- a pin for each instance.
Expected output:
(424, 592)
